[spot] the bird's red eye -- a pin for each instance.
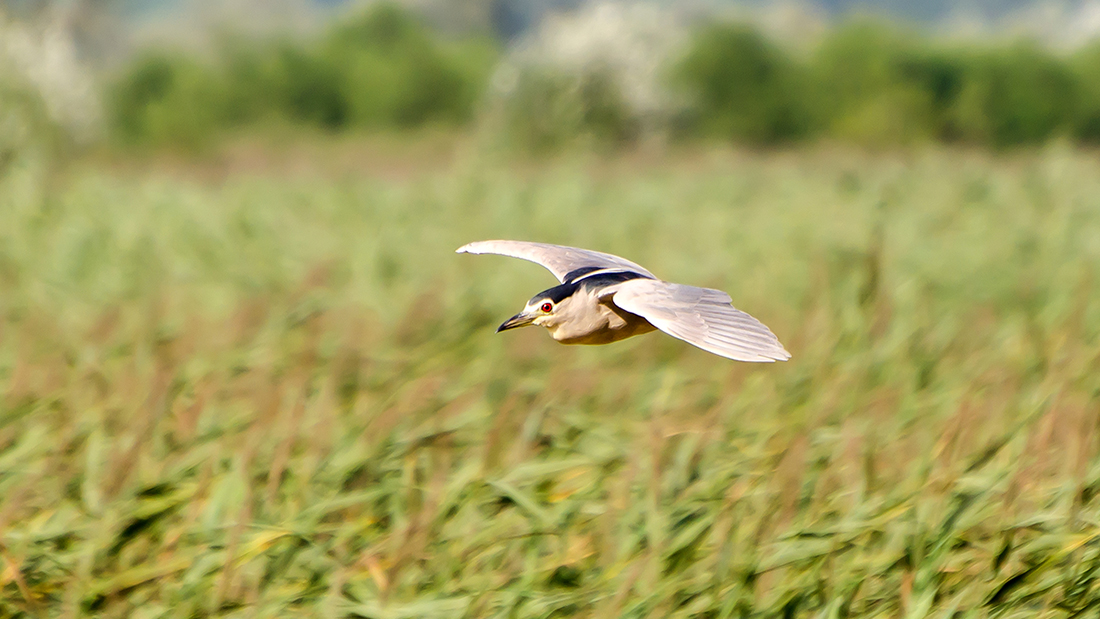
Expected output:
(546, 307)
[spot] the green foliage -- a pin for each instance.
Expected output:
(273, 396)
(1086, 66)
(394, 74)
(379, 70)
(166, 99)
(871, 83)
(874, 85)
(1019, 95)
(745, 87)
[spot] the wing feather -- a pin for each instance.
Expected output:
(702, 317)
(559, 259)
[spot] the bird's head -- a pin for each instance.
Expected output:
(545, 309)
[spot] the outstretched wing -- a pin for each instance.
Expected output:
(566, 263)
(702, 317)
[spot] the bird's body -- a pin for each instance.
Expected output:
(604, 298)
(585, 315)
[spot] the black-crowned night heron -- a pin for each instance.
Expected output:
(604, 298)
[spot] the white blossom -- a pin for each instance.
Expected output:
(628, 43)
(46, 59)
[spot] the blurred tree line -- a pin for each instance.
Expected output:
(381, 70)
(865, 82)
(869, 82)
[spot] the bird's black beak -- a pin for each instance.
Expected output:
(519, 320)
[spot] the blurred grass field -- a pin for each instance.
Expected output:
(275, 390)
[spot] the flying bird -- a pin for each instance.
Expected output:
(604, 298)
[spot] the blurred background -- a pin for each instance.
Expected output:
(540, 74)
(242, 372)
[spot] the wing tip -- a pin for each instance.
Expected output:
(776, 354)
(769, 358)
(474, 247)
